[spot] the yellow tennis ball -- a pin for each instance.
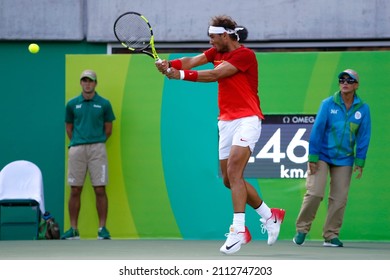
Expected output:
(33, 48)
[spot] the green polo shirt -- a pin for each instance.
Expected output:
(88, 118)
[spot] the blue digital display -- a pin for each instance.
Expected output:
(283, 147)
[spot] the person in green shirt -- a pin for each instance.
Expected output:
(88, 119)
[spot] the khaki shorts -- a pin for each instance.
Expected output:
(90, 158)
(244, 132)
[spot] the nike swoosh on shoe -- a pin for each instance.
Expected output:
(231, 246)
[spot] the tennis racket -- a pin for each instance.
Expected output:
(135, 33)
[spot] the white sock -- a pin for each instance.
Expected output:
(264, 211)
(239, 221)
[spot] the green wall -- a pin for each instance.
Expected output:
(163, 152)
(32, 96)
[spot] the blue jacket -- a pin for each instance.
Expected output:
(338, 136)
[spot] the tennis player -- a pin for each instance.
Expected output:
(239, 121)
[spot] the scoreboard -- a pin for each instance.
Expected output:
(283, 148)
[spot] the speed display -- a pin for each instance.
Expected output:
(283, 148)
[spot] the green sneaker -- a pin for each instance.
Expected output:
(71, 234)
(334, 242)
(299, 238)
(103, 234)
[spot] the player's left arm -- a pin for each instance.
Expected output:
(184, 63)
(363, 137)
(69, 130)
(362, 141)
(359, 171)
(108, 129)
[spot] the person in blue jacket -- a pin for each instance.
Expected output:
(338, 146)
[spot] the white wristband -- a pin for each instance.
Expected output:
(181, 74)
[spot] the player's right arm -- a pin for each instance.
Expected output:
(184, 63)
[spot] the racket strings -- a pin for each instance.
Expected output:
(133, 31)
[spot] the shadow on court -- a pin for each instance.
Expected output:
(186, 250)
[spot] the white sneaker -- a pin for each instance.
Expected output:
(235, 239)
(272, 225)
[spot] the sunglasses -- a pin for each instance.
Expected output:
(348, 80)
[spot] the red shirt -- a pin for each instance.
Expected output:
(237, 94)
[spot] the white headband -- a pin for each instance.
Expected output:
(221, 30)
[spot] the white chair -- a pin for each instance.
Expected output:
(21, 184)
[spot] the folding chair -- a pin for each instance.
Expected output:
(21, 185)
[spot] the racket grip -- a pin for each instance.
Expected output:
(159, 60)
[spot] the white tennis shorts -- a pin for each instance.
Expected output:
(244, 132)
